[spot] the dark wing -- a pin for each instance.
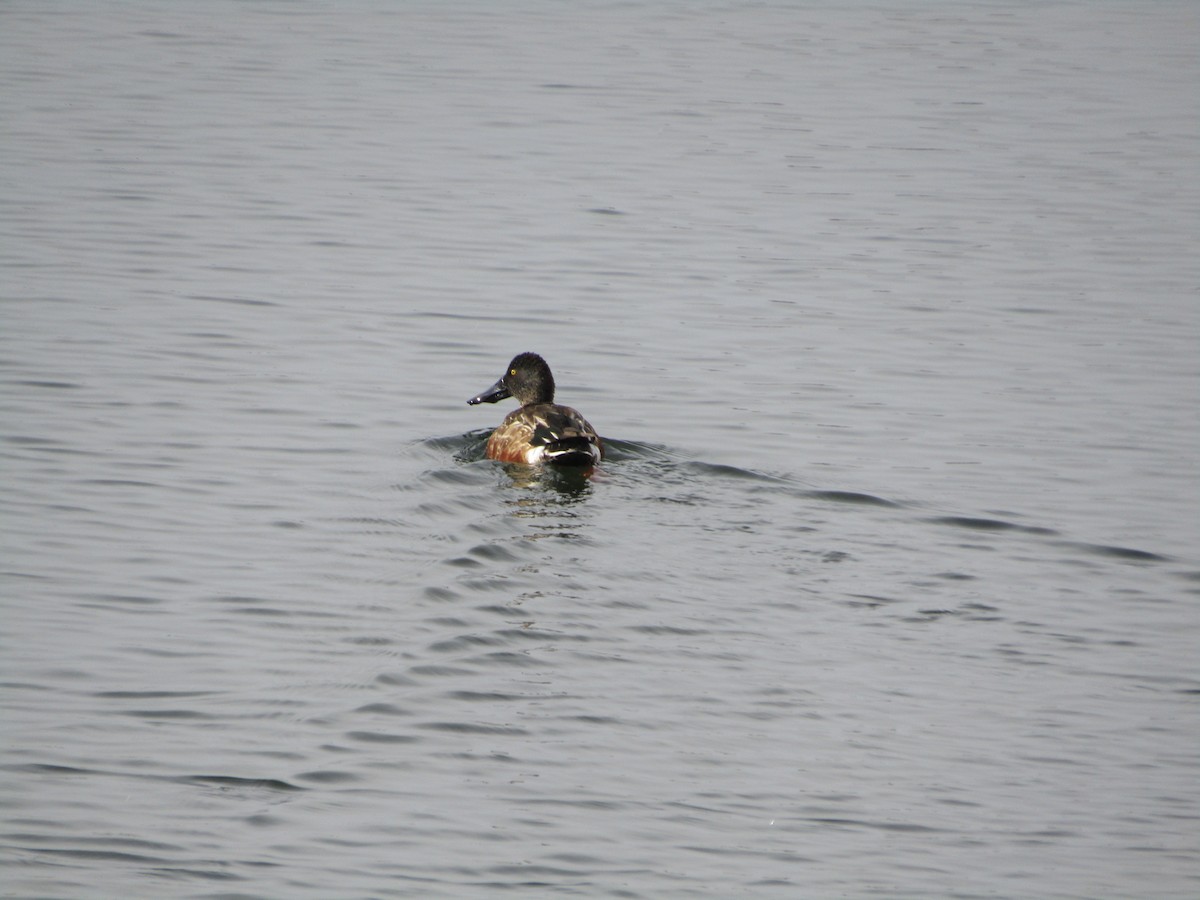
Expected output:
(565, 435)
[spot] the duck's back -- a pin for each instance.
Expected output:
(546, 432)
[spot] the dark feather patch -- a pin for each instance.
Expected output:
(552, 427)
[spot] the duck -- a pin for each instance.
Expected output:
(540, 431)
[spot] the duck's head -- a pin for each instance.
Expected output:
(527, 378)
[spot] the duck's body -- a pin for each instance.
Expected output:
(541, 431)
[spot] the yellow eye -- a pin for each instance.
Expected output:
(512, 371)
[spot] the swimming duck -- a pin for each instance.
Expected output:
(541, 431)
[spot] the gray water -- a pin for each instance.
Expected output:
(888, 313)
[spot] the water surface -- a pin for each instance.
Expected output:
(887, 312)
